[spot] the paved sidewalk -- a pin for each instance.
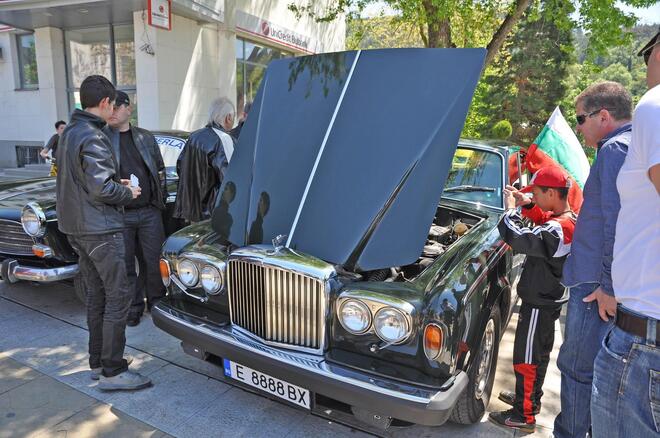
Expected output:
(45, 389)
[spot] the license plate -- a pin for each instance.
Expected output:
(284, 390)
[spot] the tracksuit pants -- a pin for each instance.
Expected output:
(535, 336)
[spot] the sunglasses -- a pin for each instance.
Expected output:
(581, 118)
(647, 53)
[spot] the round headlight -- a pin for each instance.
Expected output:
(355, 316)
(187, 273)
(391, 325)
(211, 279)
(33, 220)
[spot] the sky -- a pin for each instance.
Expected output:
(646, 15)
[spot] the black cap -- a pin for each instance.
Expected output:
(651, 43)
(122, 99)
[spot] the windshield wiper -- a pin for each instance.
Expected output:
(468, 188)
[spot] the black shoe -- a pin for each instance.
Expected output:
(511, 420)
(133, 319)
(509, 397)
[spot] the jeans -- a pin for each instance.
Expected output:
(103, 271)
(583, 334)
(626, 386)
(144, 236)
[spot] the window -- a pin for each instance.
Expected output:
(107, 51)
(251, 62)
(475, 176)
(27, 62)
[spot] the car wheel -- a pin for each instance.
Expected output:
(472, 404)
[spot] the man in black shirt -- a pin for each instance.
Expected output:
(52, 146)
(141, 162)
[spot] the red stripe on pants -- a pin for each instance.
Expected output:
(528, 371)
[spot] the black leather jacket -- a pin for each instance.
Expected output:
(150, 152)
(201, 167)
(90, 198)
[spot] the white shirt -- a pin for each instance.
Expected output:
(636, 265)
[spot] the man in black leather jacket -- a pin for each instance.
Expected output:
(90, 209)
(138, 154)
(202, 164)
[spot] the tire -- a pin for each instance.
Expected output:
(471, 405)
(79, 288)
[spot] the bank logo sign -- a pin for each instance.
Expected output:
(160, 14)
(274, 32)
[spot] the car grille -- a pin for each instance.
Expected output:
(277, 305)
(13, 239)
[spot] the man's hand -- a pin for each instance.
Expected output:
(135, 191)
(125, 182)
(606, 303)
(43, 153)
(519, 198)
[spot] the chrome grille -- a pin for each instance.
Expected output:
(277, 305)
(13, 239)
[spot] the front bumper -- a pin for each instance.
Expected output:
(12, 272)
(386, 397)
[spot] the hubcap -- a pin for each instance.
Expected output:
(485, 357)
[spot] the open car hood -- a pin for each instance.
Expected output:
(346, 154)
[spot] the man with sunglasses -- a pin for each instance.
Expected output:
(626, 384)
(603, 118)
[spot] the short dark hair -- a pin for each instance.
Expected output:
(608, 95)
(94, 89)
(59, 123)
(561, 191)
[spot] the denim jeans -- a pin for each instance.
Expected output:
(626, 386)
(103, 270)
(583, 334)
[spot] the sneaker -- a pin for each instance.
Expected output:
(96, 372)
(126, 381)
(509, 397)
(133, 319)
(510, 419)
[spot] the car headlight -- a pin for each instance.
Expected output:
(211, 279)
(391, 325)
(355, 316)
(33, 220)
(188, 273)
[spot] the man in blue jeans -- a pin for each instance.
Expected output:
(603, 118)
(626, 384)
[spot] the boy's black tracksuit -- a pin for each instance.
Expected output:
(546, 245)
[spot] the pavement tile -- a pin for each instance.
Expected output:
(14, 374)
(9, 309)
(26, 329)
(176, 396)
(38, 405)
(101, 421)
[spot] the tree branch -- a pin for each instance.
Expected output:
(498, 39)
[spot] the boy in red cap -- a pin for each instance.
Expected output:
(546, 246)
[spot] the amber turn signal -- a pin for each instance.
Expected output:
(433, 338)
(41, 251)
(165, 272)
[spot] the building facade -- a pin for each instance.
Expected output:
(173, 57)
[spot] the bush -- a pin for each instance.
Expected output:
(502, 130)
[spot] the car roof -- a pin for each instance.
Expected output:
(492, 144)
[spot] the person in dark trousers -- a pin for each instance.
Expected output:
(139, 157)
(202, 163)
(603, 113)
(546, 246)
(90, 211)
(51, 146)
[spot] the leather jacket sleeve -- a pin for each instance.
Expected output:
(99, 174)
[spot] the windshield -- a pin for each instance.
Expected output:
(170, 148)
(475, 176)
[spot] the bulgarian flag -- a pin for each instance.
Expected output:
(558, 145)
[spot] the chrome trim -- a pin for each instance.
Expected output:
(200, 260)
(280, 297)
(48, 252)
(318, 365)
(38, 211)
(17, 272)
(184, 289)
(14, 240)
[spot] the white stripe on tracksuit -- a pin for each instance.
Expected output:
(530, 335)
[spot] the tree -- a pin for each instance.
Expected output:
(475, 23)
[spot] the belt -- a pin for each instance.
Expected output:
(635, 324)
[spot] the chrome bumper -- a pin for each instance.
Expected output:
(13, 272)
(409, 402)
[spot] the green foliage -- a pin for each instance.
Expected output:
(502, 130)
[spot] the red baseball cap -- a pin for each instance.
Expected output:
(551, 176)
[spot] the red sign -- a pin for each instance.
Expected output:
(160, 14)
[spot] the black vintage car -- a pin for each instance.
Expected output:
(353, 258)
(31, 246)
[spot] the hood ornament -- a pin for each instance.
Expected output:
(278, 243)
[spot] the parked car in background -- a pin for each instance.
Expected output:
(353, 258)
(31, 246)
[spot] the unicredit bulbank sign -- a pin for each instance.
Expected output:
(273, 32)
